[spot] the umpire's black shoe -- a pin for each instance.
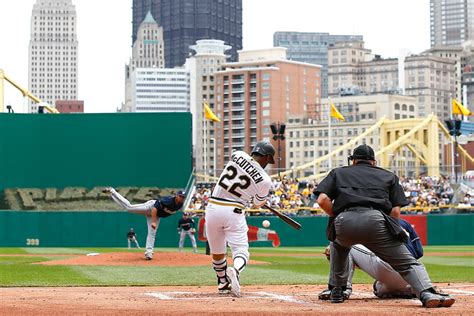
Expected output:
(337, 295)
(326, 294)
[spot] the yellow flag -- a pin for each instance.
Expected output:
(335, 113)
(209, 114)
(458, 108)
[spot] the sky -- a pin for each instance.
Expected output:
(105, 30)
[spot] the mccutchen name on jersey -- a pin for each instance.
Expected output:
(247, 167)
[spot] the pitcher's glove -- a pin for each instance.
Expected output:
(327, 252)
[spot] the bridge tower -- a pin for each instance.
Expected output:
(420, 136)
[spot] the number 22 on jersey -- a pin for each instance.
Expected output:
(231, 180)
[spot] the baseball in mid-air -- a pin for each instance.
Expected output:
(266, 223)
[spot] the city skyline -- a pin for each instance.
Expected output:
(105, 29)
(53, 53)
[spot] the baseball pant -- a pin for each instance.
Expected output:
(134, 239)
(368, 227)
(142, 209)
(182, 236)
(223, 227)
(388, 281)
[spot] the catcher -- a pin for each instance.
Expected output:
(186, 226)
(388, 283)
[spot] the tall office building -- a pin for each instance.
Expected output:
(451, 22)
(53, 52)
(186, 21)
(311, 48)
(208, 58)
(160, 90)
(429, 78)
(148, 48)
(147, 52)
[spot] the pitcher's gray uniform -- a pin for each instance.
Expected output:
(242, 182)
(164, 207)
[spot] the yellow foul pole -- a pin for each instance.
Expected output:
(24, 91)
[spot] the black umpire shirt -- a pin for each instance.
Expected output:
(362, 185)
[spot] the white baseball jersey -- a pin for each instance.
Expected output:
(243, 180)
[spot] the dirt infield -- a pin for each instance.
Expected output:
(256, 300)
(185, 300)
(165, 259)
(169, 259)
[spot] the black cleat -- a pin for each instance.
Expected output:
(107, 190)
(337, 295)
(324, 295)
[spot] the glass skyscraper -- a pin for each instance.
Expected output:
(186, 21)
(451, 22)
(311, 48)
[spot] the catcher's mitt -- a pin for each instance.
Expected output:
(327, 252)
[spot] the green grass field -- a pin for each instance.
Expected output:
(294, 268)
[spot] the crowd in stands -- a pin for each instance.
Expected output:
(426, 191)
(295, 197)
(287, 194)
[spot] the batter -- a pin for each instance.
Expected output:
(242, 182)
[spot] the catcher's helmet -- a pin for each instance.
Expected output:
(265, 148)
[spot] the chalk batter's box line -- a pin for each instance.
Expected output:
(284, 298)
(252, 295)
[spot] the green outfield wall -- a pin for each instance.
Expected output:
(90, 150)
(451, 229)
(108, 229)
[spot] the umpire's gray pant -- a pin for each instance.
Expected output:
(368, 227)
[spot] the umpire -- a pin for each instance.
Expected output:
(354, 197)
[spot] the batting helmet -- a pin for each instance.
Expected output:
(265, 148)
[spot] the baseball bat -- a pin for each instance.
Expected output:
(284, 218)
